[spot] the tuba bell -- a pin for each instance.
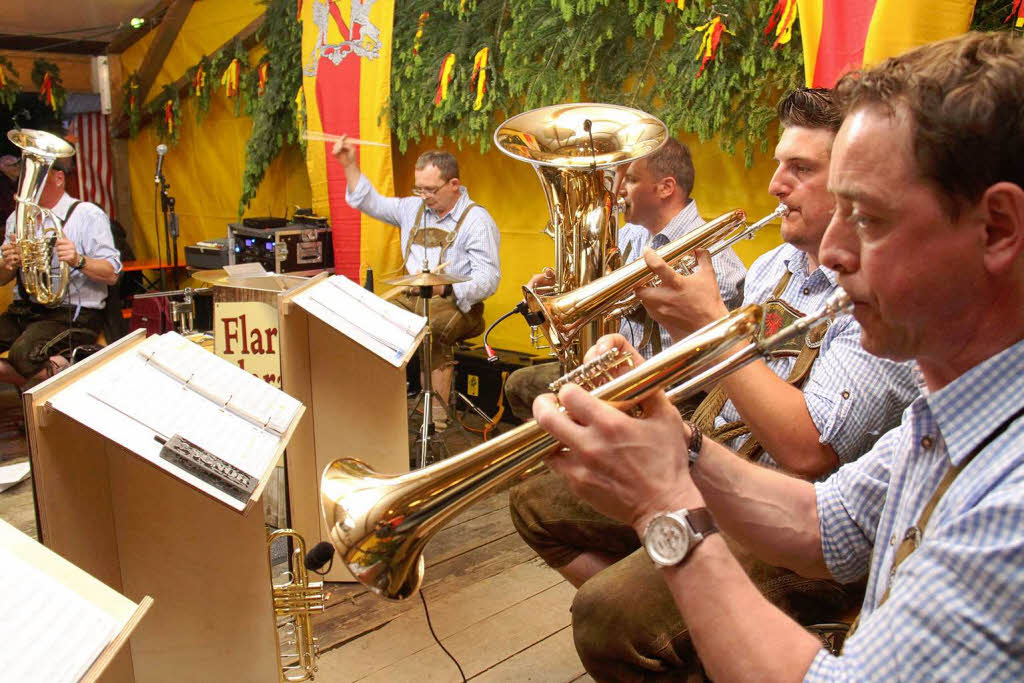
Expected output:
(573, 148)
(35, 238)
(380, 524)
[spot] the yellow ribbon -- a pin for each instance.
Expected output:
(479, 78)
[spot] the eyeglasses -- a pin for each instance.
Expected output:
(428, 191)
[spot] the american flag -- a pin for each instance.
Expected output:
(95, 165)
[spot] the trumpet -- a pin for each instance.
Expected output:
(380, 524)
(294, 602)
(560, 317)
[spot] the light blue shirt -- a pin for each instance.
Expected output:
(89, 229)
(473, 254)
(956, 605)
(852, 396)
(729, 270)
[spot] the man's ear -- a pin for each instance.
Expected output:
(666, 187)
(1002, 210)
(455, 183)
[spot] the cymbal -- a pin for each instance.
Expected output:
(426, 280)
(215, 276)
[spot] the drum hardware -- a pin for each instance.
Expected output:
(574, 149)
(182, 312)
(295, 600)
(424, 284)
(379, 524)
(34, 239)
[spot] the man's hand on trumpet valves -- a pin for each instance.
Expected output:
(11, 256)
(628, 468)
(682, 303)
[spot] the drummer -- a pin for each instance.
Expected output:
(442, 230)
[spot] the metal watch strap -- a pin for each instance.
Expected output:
(696, 441)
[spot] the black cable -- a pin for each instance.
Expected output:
(491, 356)
(438, 640)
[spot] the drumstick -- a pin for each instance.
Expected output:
(320, 136)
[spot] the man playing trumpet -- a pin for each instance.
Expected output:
(658, 210)
(928, 240)
(806, 410)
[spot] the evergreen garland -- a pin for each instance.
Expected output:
(274, 116)
(40, 70)
(167, 130)
(130, 104)
(8, 83)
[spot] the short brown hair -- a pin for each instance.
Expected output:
(965, 98)
(444, 162)
(673, 160)
(809, 108)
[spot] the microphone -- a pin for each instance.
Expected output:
(321, 554)
(161, 150)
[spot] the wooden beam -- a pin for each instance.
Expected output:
(158, 50)
(128, 36)
(167, 31)
(247, 35)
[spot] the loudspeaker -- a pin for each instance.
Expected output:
(481, 380)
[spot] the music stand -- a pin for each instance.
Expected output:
(424, 283)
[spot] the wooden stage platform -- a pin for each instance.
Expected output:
(496, 607)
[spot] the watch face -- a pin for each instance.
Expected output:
(666, 541)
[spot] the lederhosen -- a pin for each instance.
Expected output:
(778, 314)
(433, 236)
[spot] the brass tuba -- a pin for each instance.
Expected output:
(379, 524)
(560, 317)
(573, 148)
(294, 602)
(35, 239)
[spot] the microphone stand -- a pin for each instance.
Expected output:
(170, 233)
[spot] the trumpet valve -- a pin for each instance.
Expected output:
(594, 373)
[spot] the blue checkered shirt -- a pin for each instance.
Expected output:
(729, 270)
(474, 254)
(955, 610)
(852, 396)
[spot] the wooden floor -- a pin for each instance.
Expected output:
(494, 605)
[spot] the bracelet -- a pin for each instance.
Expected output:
(696, 441)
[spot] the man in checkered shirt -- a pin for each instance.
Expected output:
(928, 240)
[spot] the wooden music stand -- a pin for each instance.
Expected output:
(358, 410)
(143, 531)
(94, 592)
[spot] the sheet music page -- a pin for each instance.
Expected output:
(51, 633)
(383, 328)
(133, 399)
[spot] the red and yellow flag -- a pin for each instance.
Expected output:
(444, 78)
(839, 36)
(346, 53)
(478, 81)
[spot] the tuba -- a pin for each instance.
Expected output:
(379, 524)
(560, 317)
(35, 240)
(294, 602)
(573, 148)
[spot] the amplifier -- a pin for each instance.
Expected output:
(481, 380)
(207, 255)
(291, 248)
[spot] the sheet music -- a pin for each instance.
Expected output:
(48, 632)
(387, 330)
(167, 385)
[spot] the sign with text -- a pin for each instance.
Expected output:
(246, 333)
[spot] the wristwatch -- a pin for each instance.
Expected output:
(671, 536)
(81, 262)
